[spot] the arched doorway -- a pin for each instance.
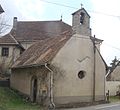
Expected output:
(34, 89)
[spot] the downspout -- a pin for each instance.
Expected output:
(94, 48)
(52, 104)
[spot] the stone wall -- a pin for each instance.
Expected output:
(22, 80)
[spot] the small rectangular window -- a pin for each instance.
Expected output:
(5, 51)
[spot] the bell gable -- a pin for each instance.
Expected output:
(81, 22)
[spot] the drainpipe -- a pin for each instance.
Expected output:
(94, 48)
(51, 87)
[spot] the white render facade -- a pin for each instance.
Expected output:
(77, 56)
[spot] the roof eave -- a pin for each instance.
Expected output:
(102, 59)
(96, 39)
(8, 44)
(28, 66)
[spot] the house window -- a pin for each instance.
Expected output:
(5, 51)
(81, 74)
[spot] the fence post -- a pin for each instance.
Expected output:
(108, 96)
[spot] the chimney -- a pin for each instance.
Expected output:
(15, 23)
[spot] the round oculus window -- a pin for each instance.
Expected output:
(81, 74)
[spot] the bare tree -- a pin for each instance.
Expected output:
(4, 27)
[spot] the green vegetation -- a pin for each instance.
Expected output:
(9, 100)
(114, 98)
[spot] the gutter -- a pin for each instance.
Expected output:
(52, 104)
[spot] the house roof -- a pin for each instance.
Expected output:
(38, 30)
(111, 70)
(8, 39)
(42, 51)
(1, 9)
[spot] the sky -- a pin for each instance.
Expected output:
(105, 17)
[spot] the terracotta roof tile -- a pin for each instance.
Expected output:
(35, 30)
(39, 30)
(8, 39)
(42, 51)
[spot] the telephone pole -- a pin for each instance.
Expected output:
(94, 68)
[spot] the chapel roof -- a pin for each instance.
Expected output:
(42, 51)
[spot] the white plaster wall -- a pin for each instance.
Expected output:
(68, 59)
(76, 55)
(100, 77)
(20, 80)
(14, 53)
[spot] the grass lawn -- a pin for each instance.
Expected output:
(114, 99)
(9, 100)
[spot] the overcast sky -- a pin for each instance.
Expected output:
(105, 17)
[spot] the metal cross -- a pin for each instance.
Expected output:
(81, 5)
(61, 17)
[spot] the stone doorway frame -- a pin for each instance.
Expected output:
(34, 88)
